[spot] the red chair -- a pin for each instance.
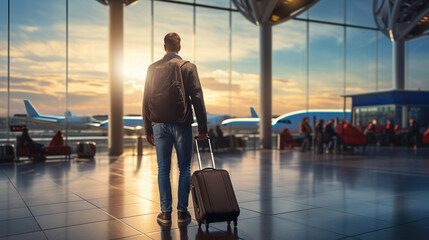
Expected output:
(350, 135)
(425, 139)
(59, 150)
(23, 151)
(287, 140)
(50, 151)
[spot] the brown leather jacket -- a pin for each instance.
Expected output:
(193, 91)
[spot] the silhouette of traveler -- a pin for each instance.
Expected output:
(318, 130)
(413, 133)
(172, 86)
(57, 139)
(305, 132)
(27, 142)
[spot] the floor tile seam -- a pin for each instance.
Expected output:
(381, 229)
(115, 218)
(11, 235)
(112, 186)
(336, 210)
(79, 224)
(273, 214)
(43, 204)
(377, 169)
(129, 237)
(309, 225)
(77, 210)
(28, 208)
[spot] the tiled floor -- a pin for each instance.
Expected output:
(380, 194)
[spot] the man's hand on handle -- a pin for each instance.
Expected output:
(202, 136)
(149, 139)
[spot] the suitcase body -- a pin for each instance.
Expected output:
(213, 195)
(86, 150)
(7, 153)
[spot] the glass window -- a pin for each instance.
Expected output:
(417, 70)
(212, 58)
(378, 113)
(361, 61)
(245, 66)
(384, 62)
(137, 54)
(3, 71)
(88, 58)
(38, 60)
(180, 22)
(326, 56)
(216, 3)
(360, 13)
(289, 67)
(328, 10)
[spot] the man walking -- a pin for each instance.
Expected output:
(305, 132)
(172, 86)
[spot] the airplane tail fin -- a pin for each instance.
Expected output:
(31, 111)
(68, 113)
(253, 113)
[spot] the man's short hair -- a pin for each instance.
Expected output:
(172, 42)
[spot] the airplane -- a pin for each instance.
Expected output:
(135, 123)
(290, 120)
(74, 122)
(131, 123)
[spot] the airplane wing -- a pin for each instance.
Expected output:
(51, 122)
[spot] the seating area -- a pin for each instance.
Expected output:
(23, 152)
(350, 136)
(425, 139)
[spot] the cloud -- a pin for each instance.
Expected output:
(216, 85)
(28, 28)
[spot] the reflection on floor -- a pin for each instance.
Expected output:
(381, 194)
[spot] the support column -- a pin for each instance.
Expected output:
(265, 84)
(399, 64)
(405, 119)
(116, 62)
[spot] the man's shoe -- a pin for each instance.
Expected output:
(164, 218)
(183, 216)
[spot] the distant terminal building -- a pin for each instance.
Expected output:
(394, 105)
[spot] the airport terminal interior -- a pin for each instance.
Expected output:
(79, 67)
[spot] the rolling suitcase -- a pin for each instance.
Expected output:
(212, 194)
(7, 153)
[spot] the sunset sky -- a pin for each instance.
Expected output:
(38, 56)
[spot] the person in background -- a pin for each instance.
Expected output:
(220, 141)
(305, 132)
(369, 132)
(330, 136)
(27, 142)
(360, 127)
(413, 133)
(57, 139)
(390, 132)
(318, 130)
(285, 138)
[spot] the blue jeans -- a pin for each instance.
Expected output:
(180, 135)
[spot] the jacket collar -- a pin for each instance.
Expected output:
(169, 56)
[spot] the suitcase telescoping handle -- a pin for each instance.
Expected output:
(198, 153)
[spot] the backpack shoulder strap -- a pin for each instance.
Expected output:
(181, 62)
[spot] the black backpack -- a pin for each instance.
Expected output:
(167, 101)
